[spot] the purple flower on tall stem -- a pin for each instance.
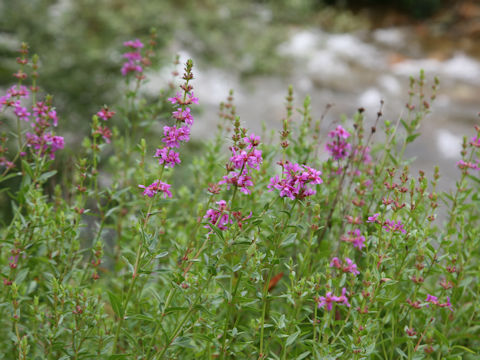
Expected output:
(295, 181)
(374, 218)
(355, 237)
(168, 157)
(339, 148)
(219, 216)
(327, 301)
(22, 113)
(134, 44)
(156, 187)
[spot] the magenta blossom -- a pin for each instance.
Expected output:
(219, 216)
(242, 158)
(240, 180)
(131, 66)
(105, 114)
(296, 181)
(462, 165)
(241, 162)
(133, 56)
(349, 266)
(168, 157)
(390, 225)
(327, 301)
(18, 91)
(174, 135)
(374, 218)
(475, 141)
(355, 237)
(434, 300)
(339, 148)
(22, 113)
(156, 187)
(183, 116)
(134, 44)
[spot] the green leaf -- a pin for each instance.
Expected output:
(141, 317)
(116, 303)
(401, 353)
(45, 176)
(289, 240)
(303, 355)
(291, 339)
(464, 348)
(161, 255)
(411, 138)
(9, 176)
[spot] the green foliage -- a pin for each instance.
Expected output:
(91, 268)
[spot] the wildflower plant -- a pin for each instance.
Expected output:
(316, 243)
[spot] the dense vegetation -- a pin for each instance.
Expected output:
(304, 244)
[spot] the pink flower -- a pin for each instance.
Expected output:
(374, 218)
(339, 132)
(104, 132)
(105, 114)
(447, 304)
(350, 267)
(296, 180)
(243, 181)
(475, 141)
(133, 56)
(168, 157)
(156, 187)
(219, 216)
(191, 99)
(183, 116)
(328, 300)
(467, 165)
(252, 141)
(336, 262)
(131, 66)
(431, 299)
(339, 148)
(134, 44)
(242, 158)
(40, 109)
(343, 298)
(52, 114)
(390, 225)
(22, 113)
(355, 237)
(174, 135)
(177, 99)
(18, 91)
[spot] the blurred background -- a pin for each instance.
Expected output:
(348, 53)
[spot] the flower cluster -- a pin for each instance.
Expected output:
(104, 114)
(245, 156)
(133, 56)
(338, 148)
(42, 140)
(349, 266)
(180, 132)
(327, 301)
(295, 182)
(219, 216)
(465, 165)
(355, 237)
(155, 187)
(390, 225)
(434, 300)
